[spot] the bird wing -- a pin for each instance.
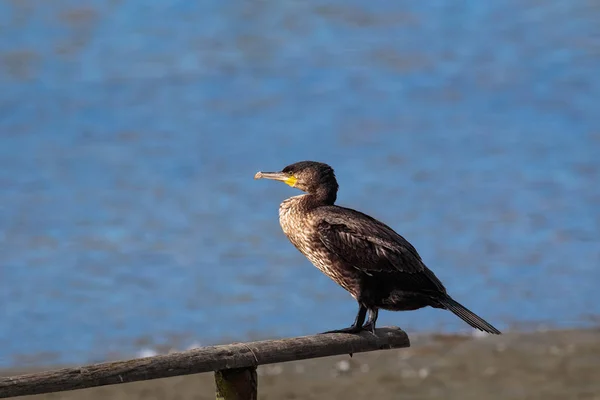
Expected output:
(373, 247)
(367, 243)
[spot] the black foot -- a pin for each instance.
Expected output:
(369, 327)
(350, 329)
(356, 327)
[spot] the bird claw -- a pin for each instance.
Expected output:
(369, 327)
(350, 329)
(354, 329)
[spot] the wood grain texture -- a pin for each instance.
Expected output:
(237, 384)
(204, 359)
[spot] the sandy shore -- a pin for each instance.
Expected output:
(544, 365)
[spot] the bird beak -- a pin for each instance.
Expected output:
(277, 176)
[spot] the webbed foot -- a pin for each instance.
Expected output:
(369, 327)
(350, 329)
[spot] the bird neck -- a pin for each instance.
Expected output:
(322, 196)
(308, 201)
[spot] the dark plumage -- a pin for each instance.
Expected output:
(379, 268)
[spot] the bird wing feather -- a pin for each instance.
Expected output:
(370, 246)
(374, 248)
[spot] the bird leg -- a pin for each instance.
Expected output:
(370, 325)
(358, 322)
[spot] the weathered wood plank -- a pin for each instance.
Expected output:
(204, 359)
(237, 384)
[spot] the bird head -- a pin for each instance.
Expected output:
(309, 176)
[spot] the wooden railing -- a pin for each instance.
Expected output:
(234, 365)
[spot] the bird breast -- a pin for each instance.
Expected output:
(300, 226)
(295, 223)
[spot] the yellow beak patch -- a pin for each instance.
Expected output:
(291, 181)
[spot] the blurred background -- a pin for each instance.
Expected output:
(131, 131)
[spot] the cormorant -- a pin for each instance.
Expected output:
(379, 268)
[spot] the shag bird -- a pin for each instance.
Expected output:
(379, 268)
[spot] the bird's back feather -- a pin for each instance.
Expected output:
(373, 247)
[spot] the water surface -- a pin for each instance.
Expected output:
(130, 133)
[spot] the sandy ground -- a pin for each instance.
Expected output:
(544, 365)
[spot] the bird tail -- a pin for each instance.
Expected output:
(467, 315)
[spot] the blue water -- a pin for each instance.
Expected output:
(131, 131)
